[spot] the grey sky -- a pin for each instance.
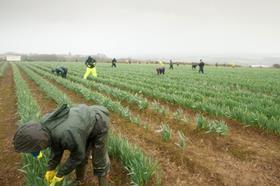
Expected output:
(142, 28)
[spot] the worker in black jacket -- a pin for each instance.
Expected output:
(114, 62)
(91, 67)
(201, 66)
(60, 71)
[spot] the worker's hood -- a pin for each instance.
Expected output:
(31, 137)
(58, 116)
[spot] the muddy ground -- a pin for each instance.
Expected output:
(10, 161)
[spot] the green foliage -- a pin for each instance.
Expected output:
(249, 96)
(146, 126)
(114, 92)
(179, 116)
(90, 95)
(3, 69)
(157, 107)
(211, 126)
(102, 88)
(29, 110)
(165, 132)
(140, 167)
(181, 140)
(47, 87)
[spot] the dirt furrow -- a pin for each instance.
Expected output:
(10, 161)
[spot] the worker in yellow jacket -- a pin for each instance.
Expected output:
(160, 69)
(90, 63)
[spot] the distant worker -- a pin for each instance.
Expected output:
(201, 66)
(114, 63)
(60, 71)
(161, 68)
(194, 65)
(79, 129)
(216, 64)
(91, 67)
(170, 64)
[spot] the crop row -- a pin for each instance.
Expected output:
(114, 92)
(48, 88)
(246, 79)
(122, 95)
(28, 110)
(236, 113)
(263, 115)
(253, 80)
(155, 106)
(194, 89)
(90, 95)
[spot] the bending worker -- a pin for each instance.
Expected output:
(79, 129)
(60, 71)
(90, 63)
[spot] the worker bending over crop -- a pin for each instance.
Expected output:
(79, 129)
(194, 65)
(90, 63)
(60, 71)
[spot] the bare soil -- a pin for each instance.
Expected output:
(10, 161)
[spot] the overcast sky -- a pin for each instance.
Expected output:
(141, 28)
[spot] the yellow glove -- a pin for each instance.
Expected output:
(56, 180)
(40, 156)
(49, 175)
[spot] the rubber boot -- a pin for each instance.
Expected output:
(102, 181)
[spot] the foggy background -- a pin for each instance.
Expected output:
(145, 29)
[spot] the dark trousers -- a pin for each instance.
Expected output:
(64, 74)
(160, 70)
(201, 70)
(97, 145)
(114, 65)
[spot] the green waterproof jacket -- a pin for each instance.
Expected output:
(70, 129)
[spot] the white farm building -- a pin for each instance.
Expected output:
(13, 58)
